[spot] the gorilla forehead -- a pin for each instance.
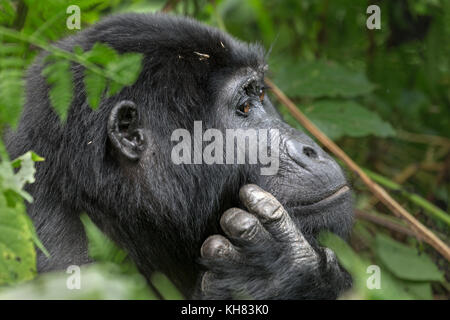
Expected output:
(185, 64)
(174, 40)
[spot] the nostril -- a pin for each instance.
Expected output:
(310, 152)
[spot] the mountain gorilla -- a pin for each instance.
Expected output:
(217, 231)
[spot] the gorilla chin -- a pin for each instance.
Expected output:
(333, 213)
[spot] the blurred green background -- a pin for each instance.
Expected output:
(382, 95)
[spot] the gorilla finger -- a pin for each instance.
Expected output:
(271, 213)
(217, 246)
(207, 280)
(241, 224)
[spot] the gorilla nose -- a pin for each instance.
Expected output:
(303, 154)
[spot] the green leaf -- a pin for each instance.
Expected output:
(12, 183)
(119, 71)
(347, 257)
(126, 68)
(95, 86)
(419, 290)
(11, 94)
(405, 262)
(59, 76)
(129, 67)
(7, 11)
(26, 165)
(391, 288)
(165, 287)
(97, 281)
(347, 118)
(101, 54)
(17, 254)
(11, 187)
(101, 248)
(37, 242)
(113, 88)
(321, 79)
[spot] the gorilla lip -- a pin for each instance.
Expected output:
(334, 195)
(340, 191)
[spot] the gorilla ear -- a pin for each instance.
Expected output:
(124, 131)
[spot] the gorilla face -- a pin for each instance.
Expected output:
(116, 164)
(309, 183)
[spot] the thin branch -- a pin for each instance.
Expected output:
(394, 226)
(376, 189)
(418, 200)
(406, 173)
(423, 138)
(60, 53)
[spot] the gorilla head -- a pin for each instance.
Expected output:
(116, 164)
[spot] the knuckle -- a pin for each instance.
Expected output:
(248, 189)
(251, 231)
(229, 216)
(272, 211)
(261, 202)
(252, 194)
(268, 209)
(239, 223)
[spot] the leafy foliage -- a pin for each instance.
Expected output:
(12, 183)
(113, 276)
(59, 77)
(98, 281)
(17, 254)
(11, 83)
(392, 283)
(116, 70)
(404, 261)
(17, 235)
(347, 118)
(321, 79)
(326, 80)
(122, 70)
(337, 118)
(101, 248)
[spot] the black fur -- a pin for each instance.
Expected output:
(159, 212)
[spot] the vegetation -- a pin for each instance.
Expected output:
(381, 95)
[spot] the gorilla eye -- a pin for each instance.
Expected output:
(244, 108)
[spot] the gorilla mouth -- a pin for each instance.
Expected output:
(330, 197)
(334, 195)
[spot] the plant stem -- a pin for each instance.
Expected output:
(60, 53)
(421, 202)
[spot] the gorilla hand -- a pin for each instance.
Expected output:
(268, 257)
